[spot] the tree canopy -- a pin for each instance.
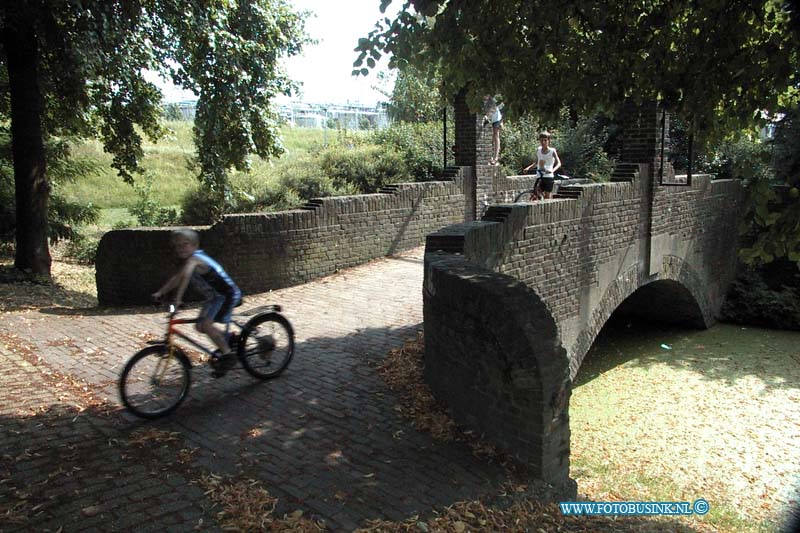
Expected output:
(79, 68)
(415, 97)
(717, 63)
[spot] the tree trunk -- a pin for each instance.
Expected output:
(30, 178)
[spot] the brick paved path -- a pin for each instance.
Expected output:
(324, 438)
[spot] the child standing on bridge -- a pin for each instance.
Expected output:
(492, 115)
(548, 162)
(211, 280)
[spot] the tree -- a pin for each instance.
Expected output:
(772, 220)
(78, 68)
(716, 63)
(172, 112)
(720, 65)
(416, 97)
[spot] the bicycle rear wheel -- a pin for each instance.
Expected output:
(155, 381)
(266, 345)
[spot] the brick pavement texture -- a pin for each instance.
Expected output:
(324, 438)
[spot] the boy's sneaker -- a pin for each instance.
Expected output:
(233, 341)
(222, 363)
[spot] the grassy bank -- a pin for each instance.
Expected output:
(168, 162)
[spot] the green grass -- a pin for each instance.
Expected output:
(167, 162)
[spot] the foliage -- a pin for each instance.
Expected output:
(305, 181)
(275, 197)
(518, 143)
(147, 211)
(82, 66)
(771, 225)
(579, 145)
(340, 169)
(363, 168)
(364, 123)
(172, 112)
(766, 296)
(82, 249)
(739, 157)
(416, 97)
(288, 188)
(716, 61)
(786, 147)
(198, 207)
(63, 215)
(420, 145)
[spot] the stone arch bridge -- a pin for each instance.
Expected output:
(514, 301)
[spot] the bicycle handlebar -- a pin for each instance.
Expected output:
(556, 176)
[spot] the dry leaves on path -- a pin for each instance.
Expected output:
(247, 506)
(72, 286)
(403, 372)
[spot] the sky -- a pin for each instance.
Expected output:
(324, 68)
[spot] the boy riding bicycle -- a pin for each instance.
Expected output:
(548, 162)
(211, 280)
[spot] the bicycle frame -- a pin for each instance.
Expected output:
(173, 331)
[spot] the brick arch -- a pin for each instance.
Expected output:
(516, 386)
(677, 282)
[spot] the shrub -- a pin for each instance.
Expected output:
(147, 210)
(740, 158)
(198, 207)
(419, 144)
(766, 296)
(82, 249)
(580, 147)
(258, 192)
(363, 169)
(309, 183)
(519, 139)
(64, 218)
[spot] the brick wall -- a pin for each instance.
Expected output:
(264, 251)
(497, 371)
(473, 136)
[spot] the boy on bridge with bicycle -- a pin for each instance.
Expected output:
(211, 280)
(548, 162)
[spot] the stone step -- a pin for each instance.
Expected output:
(568, 194)
(312, 205)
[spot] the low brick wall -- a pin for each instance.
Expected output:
(264, 251)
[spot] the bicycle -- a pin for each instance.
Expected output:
(156, 379)
(536, 193)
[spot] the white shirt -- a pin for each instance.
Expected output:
(549, 159)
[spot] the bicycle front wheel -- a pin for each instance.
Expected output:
(155, 381)
(267, 345)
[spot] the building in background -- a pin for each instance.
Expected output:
(344, 116)
(309, 115)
